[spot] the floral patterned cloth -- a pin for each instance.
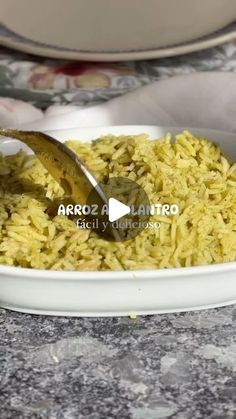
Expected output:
(44, 82)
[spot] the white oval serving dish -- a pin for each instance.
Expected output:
(119, 293)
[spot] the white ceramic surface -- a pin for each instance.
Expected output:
(12, 40)
(122, 292)
(107, 26)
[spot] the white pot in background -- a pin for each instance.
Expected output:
(109, 25)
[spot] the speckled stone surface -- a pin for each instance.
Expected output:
(179, 366)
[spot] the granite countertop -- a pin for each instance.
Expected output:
(180, 366)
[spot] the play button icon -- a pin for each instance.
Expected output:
(116, 209)
(122, 218)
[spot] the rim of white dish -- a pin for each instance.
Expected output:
(116, 275)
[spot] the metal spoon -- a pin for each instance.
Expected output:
(65, 167)
(61, 162)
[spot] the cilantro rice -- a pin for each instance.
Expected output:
(188, 171)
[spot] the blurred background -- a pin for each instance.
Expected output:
(85, 53)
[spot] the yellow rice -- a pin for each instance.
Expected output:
(188, 171)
